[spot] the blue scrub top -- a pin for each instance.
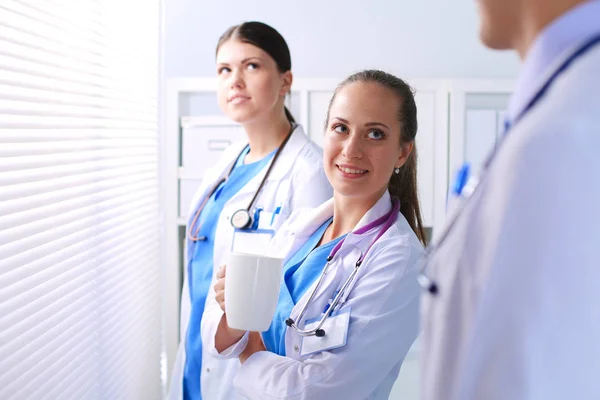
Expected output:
(200, 267)
(299, 273)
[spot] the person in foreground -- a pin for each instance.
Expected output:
(372, 227)
(513, 306)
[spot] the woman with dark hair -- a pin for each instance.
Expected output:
(248, 194)
(349, 300)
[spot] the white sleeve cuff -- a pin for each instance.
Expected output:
(232, 351)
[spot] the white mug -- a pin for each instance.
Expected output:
(252, 285)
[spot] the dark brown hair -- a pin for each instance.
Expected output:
(265, 38)
(402, 186)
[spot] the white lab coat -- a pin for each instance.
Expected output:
(383, 326)
(297, 180)
(518, 311)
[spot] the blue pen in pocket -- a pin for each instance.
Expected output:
(330, 302)
(277, 211)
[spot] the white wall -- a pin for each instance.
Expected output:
(332, 38)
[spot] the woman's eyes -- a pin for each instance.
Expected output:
(340, 129)
(376, 134)
(249, 66)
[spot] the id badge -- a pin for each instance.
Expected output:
(336, 333)
(251, 242)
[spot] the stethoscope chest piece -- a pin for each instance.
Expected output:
(241, 219)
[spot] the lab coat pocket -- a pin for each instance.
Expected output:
(272, 220)
(336, 333)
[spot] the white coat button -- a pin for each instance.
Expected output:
(296, 348)
(207, 369)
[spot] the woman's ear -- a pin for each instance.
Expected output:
(286, 86)
(406, 149)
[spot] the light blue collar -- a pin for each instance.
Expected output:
(558, 38)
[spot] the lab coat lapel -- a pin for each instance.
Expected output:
(214, 175)
(381, 207)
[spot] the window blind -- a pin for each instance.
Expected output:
(79, 216)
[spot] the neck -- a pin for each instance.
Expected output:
(347, 213)
(536, 16)
(265, 135)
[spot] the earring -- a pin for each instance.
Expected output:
(397, 170)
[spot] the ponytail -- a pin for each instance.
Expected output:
(403, 187)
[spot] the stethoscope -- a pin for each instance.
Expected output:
(466, 187)
(241, 219)
(387, 221)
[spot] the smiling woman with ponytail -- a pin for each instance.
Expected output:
(355, 257)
